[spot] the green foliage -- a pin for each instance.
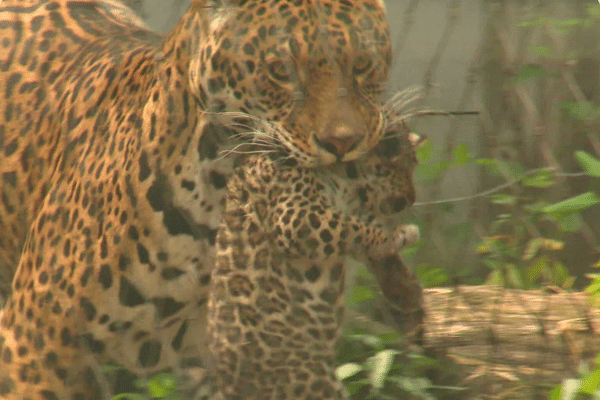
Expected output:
(563, 25)
(590, 164)
(160, 386)
(432, 276)
(515, 257)
(425, 152)
(530, 71)
(361, 293)
(461, 155)
(381, 366)
(594, 287)
(581, 111)
(586, 387)
(567, 213)
(372, 368)
(573, 205)
(539, 179)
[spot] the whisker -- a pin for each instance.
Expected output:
(228, 152)
(405, 97)
(263, 136)
(248, 152)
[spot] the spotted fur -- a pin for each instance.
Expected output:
(116, 145)
(277, 301)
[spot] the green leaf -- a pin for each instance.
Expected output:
(504, 199)
(415, 386)
(574, 204)
(424, 152)
(431, 277)
(161, 386)
(370, 340)
(555, 393)
(594, 287)
(590, 164)
(389, 336)
(348, 370)
(530, 71)
(430, 172)
(536, 269)
(129, 396)
(382, 361)
(513, 276)
(560, 275)
(491, 166)
(354, 387)
(591, 383)
(512, 169)
(532, 248)
(540, 179)
(579, 110)
(569, 222)
(361, 294)
(535, 208)
(495, 278)
(462, 154)
(487, 245)
(492, 264)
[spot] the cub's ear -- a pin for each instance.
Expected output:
(417, 140)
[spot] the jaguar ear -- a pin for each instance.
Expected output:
(212, 12)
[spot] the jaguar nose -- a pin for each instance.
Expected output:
(338, 146)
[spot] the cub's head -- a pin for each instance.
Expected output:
(380, 184)
(305, 74)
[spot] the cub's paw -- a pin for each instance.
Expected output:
(394, 241)
(406, 235)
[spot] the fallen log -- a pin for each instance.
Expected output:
(503, 343)
(512, 344)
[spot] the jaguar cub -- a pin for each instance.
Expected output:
(277, 298)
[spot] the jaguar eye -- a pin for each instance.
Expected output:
(280, 71)
(362, 64)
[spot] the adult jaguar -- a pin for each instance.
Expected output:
(111, 170)
(277, 301)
